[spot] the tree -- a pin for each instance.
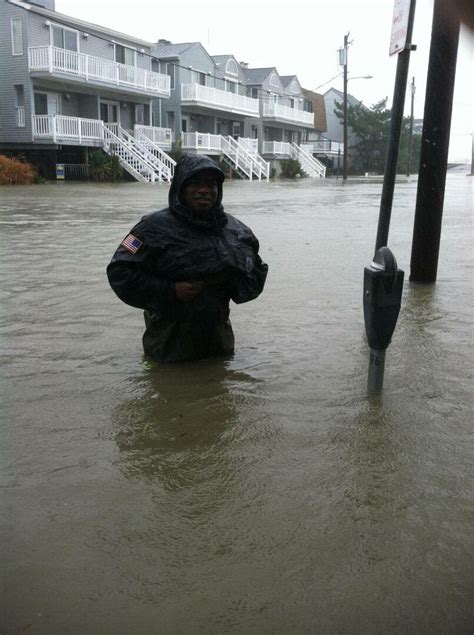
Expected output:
(371, 129)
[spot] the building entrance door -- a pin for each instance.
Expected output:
(110, 111)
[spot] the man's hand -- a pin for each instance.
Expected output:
(186, 291)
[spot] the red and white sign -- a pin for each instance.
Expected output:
(398, 38)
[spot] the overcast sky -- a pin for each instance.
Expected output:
(299, 37)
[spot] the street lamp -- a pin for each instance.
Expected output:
(343, 63)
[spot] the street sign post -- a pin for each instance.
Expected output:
(383, 280)
(400, 20)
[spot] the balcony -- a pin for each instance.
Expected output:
(161, 136)
(288, 115)
(68, 130)
(326, 147)
(276, 148)
(200, 141)
(209, 97)
(62, 63)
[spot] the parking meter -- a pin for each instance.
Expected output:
(383, 284)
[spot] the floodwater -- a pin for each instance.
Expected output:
(266, 493)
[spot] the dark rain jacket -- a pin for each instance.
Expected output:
(173, 245)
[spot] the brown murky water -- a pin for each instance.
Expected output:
(262, 494)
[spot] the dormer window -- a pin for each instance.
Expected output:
(63, 38)
(231, 68)
(274, 80)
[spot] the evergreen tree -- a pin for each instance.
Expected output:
(371, 130)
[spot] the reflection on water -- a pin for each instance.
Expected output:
(179, 429)
(262, 493)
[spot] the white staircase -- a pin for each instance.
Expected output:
(140, 157)
(310, 166)
(260, 167)
(131, 160)
(166, 162)
(237, 157)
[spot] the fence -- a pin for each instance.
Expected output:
(76, 171)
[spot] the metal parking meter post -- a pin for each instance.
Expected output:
(383, 284)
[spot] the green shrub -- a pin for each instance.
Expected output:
(15, 172)
(104, 168)
(290, 168)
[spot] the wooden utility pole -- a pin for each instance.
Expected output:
(434, 144)
(345, 149)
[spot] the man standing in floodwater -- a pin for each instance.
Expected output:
(183, 265)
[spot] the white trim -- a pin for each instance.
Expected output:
(234, 63)
(272, 83)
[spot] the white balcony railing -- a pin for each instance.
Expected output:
(219, 99)
(327, 146)
(276, 111)
(251, 145)
(161, 136)
(54, 60)
(20, 117)
(276, 148)
(58, 127)
(201, 141)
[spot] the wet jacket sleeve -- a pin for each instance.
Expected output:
(249, 275)
(132, 276)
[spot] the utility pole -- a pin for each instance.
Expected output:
(343, 63)
(434, 144)
(410, 137)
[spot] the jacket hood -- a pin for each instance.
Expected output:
(187, 166)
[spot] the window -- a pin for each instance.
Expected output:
(254, 93)
(17, 36)
(20, 105)
(125, 55)
(199, 78)
(41, 104)
(274, 80)
(169, 69)
(231, 68)
(230, 87)
(65, 38)
(19, 95)
(140, 113)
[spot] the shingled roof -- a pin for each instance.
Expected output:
(172, 50)
(258, 75)
(287, 79)
(351, 100)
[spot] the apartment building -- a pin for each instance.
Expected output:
(70, 85)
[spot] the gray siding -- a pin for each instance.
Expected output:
(97, 44)
(13, 70)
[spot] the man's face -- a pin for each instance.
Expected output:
(200, 192)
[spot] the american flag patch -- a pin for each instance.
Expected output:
(132, 243)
